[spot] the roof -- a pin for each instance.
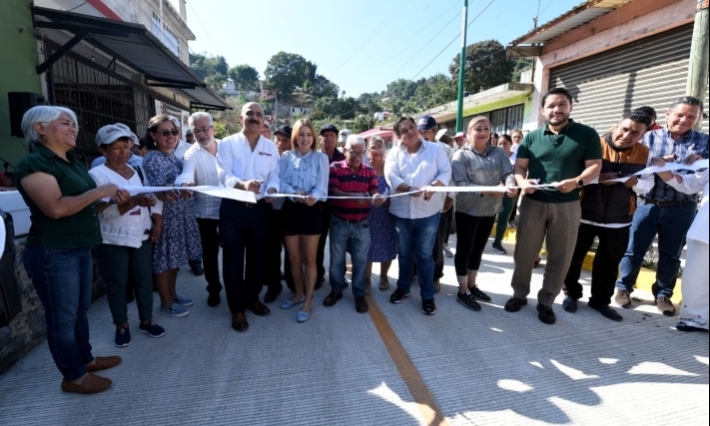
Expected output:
(579, 15)
(377, 131)
(135, 46)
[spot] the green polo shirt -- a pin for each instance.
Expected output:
(78, 230)
(554, 158)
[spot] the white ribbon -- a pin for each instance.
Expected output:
(668, 167)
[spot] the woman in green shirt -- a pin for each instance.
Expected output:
(61, 197)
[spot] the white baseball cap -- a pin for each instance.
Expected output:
(135, 137)
(343, 135)
(109, 134)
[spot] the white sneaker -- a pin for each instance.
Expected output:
(447, 251)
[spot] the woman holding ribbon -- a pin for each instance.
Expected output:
(304, 172)
(383, 246)
(179, 238)
(477, 164)
(127, 235)
(61, 196)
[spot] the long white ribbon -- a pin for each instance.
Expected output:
(668, 167)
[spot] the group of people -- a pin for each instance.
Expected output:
(373, 204)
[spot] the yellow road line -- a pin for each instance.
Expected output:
(422, 397)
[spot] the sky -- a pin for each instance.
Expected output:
(360, 45)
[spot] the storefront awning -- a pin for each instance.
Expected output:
(134, 46)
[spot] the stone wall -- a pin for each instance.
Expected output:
(28, 329)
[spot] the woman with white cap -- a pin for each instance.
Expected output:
(128, 234)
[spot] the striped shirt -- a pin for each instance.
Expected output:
(344, 179)
(661, 144)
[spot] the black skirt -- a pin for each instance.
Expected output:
(300, 219)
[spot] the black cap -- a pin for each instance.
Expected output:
(284, 130)
(328, 128)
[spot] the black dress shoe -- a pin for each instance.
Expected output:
(569, 304)
(332, 298)
(545, 314)
(514, 304)
(606, 311)
(213, 299)
(270, 297)
(239, 322)
(259, 309)
(361, 305)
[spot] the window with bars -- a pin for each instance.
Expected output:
(503, 120)
(98, 98)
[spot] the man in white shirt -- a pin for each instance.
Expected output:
(411, 166)
(200, 168)
(249, 162)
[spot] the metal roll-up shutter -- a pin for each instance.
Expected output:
(649, 72)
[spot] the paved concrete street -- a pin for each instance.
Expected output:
(393, 366)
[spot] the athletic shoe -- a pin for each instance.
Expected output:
(123, 338)
(468, 301)
(447, 251)
(174, 311)
(498, 248)
(478, 294)
(428, 307)
(183, 301)
(398, 296)
(152, 330)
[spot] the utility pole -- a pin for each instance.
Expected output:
(698, 69)
(462, 67)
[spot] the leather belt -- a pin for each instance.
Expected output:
(663, 203)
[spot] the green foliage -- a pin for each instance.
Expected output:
(288, 73)
(521, 65)
(206, 65)
(486, 66)
(245, 77)
(220, 130)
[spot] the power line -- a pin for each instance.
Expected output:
(203, 27)
(454, 39)
(405, 45)
(377, 29)
(545, 8)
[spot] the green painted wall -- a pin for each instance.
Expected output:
(17, 71)
(525, 98)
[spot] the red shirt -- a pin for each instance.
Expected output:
(344, 179)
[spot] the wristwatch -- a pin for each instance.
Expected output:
(580, 183)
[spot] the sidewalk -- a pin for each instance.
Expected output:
(400, 368)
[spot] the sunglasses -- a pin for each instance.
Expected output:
(166, 133)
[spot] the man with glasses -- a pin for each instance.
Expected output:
(200, 168)
(569, 156)
(250, 162)
(411, 166)
(349, 226)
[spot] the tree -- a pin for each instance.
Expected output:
(245, 77)
(521, 65)
(286, 71)
(486, 66)
(206, 65)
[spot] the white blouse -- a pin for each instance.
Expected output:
(129, 229)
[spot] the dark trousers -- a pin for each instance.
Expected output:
(471, 239)
(209, 234)
(612, 245)
(320, 257)
(117, 263)
(273, 261)
(244, 227)
(442, 236)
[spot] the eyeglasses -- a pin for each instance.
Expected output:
(166, 133)
(356, 154)
(202, 130)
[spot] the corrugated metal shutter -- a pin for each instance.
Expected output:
(648, 72)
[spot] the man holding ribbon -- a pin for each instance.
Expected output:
(410, 167)
(564, 156)
(607, 210)
(249, 162)
(664, 210)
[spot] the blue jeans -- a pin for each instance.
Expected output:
(671, 224)
(355, 239)
(62, 279)
(416, 237)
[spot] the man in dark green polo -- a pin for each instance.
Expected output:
(567, 155)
